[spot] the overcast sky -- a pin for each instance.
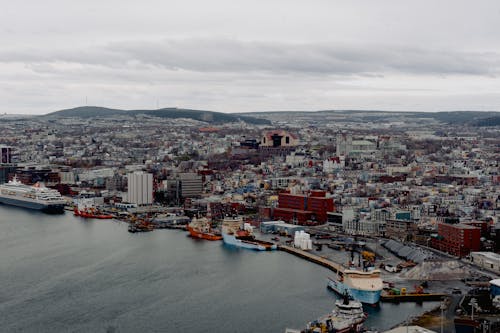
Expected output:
(255, 55)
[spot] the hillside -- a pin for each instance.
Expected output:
(172, 113)
(470, 118)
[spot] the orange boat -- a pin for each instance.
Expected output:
(200, 228)
(91, 213)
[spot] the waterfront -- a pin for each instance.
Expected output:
(62, 273)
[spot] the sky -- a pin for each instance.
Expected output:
(250, 55)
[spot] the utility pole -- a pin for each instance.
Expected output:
(473, 304)
(442, 315)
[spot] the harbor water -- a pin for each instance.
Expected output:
(60, 273)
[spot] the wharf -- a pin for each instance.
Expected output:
(411, 297)
(337, 268)
(173, 226)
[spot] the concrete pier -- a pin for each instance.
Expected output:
(337, 268)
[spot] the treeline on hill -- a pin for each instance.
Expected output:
(172, 113)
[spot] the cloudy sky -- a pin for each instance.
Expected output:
(250, 55)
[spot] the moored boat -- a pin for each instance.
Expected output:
(200, 228)
(140, 226)
(346, 317)
(38, 197)
(363, 286)
(237, 233)
(92, 213)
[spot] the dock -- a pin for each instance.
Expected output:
(411, 297)
(333, 266)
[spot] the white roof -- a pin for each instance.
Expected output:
(495, 282)
(489, 255)
(409, 329)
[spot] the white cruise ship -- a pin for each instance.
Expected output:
(36, 197)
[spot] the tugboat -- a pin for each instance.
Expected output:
(200, 228)
(140, 226)
(347, 317)
(237, 233)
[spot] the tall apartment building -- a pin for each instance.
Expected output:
(140, 188)
(191, 185)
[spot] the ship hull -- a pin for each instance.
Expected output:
(92, 216)
(364, 296)
(47, 208)
(247, 244)
(202, 235)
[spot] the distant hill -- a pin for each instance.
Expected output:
(471, 118)
(172, 113)
(491, 121)
(85, 112)
(474, 118)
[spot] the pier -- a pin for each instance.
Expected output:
(412, 297)
(337, 268)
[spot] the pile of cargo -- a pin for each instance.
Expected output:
(437, 270)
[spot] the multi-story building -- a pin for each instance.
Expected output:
(457, 239)
(140, 188)
(279, 138)
(403, 230)
(191, 185)
(6, 154)
(302, 208)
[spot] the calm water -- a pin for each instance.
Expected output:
(66, 274)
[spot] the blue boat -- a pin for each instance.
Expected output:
(363, 286)
(237, 233)
(248, 243)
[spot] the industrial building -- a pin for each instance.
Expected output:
(280, 227)
(140, 188)
(486, 260)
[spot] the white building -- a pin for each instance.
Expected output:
(140, 188)
(347, 146)
(487, 260)
(333, 163)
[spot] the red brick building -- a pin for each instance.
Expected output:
(483, 225)
(457, 239)
(304, 208)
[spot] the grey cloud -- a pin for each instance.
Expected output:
(228, 55)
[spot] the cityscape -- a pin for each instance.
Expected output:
(408, 199)
(293, 166)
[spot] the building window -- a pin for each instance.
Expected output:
(287, 140)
